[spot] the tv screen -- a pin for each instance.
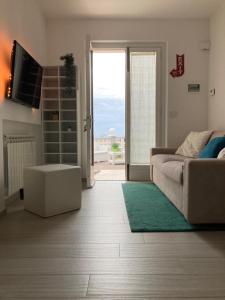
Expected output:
(26, 77)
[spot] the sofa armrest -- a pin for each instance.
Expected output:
(204, 190)
(162, 150)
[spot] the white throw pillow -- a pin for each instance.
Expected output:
(221, 155)
(194, 143)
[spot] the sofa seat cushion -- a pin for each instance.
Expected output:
(158, 159)
(170, 165)
(174, 170)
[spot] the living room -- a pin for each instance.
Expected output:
(93, 253)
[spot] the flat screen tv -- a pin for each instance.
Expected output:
(26, 76)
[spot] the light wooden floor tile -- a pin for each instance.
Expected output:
(71, 238)
(157, 286)
(113, 297)
(89, 266)
(36, 228)
(64, 219)
(93, 249)
(185, 237)
(43, 287)
(141, 297)
(60, 251)
(170, 250)
(215, 266)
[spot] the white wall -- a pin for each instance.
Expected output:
(20, 20)
(217, 70)
(182, 36)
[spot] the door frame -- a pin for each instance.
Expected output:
(88, 120)
(162, 106)
(127, 115)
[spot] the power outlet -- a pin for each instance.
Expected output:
(212, 92)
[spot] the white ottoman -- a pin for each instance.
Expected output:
(52, 189)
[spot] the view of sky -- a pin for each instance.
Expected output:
(109, 92)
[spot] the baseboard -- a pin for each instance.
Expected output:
(3, 212)
(139, 173)
(12, 198)
(84, 184)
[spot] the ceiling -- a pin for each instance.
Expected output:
(130, 9)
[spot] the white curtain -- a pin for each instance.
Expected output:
(143, 105)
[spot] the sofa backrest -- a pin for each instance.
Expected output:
(217, 133)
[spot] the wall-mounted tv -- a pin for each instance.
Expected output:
(26, 76)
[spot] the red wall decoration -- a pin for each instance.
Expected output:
(179, 71)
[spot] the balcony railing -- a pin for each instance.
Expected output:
(109, 149)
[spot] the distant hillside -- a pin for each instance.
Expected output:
(109, 113)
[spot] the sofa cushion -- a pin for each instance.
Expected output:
(194, 143)
(170, 165)
(221, 155)
(213, 148)
(158, 159)
(217, 133)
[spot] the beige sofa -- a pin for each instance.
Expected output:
(195, 186)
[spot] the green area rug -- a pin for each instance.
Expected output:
(150, 210)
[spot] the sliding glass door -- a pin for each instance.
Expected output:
(144, 104)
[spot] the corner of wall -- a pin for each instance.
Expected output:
(216, 105)
(24, 21)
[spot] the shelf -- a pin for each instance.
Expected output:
(52, 105)
(68, 110)
(57, 99)
(51, 71)
(50, 76)
(57, 153)
(50, 99)
(51, 153)
(50, 109)
(60, 135)
(53, 76)
(68, 99)
(68, 121)
(51, 121)
(47, 131)
(69, 153)
(57, 88)
(51, 126)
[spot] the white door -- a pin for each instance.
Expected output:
(143, 109)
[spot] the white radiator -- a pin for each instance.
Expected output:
(20, 152)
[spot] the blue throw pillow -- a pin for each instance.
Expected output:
(213, 148)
